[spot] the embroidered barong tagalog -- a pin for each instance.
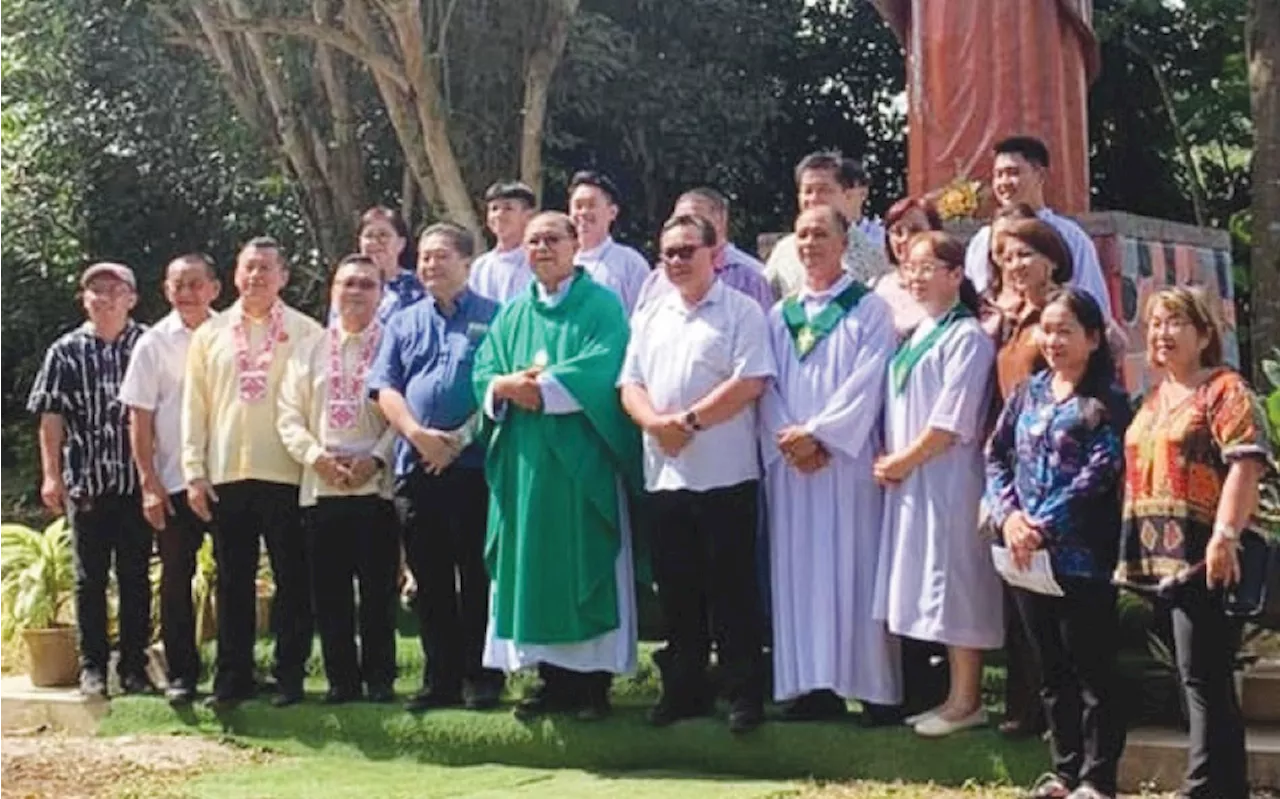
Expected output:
(252, 367)
(805, 332)
(346, 392)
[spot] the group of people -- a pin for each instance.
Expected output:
(816, 455)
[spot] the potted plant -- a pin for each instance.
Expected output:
(37, 580)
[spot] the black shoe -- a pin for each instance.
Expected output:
(669, 711)
(874, 715)
(539, 702)
(226, 700)
(595, 710)
(432, 700)
(820, 705)
(137, 683)
(93, 684)
(745, 715)
(287, 695)
(341, 696)
(179, 693)
(380, 694)
(481, 695)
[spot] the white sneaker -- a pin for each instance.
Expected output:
(912, 721)
(938, 727)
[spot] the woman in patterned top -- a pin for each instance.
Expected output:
(1054, 466)
(1194, 455)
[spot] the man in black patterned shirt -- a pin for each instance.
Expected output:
(88, 474)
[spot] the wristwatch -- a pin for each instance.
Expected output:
(691, 419)
(1227, 532)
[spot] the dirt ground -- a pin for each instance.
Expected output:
(41, 765)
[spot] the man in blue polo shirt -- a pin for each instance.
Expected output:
(422, 381)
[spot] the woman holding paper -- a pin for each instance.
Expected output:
(1054, 465)
(1194, 456)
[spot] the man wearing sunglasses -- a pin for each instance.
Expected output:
(698, 359)
(562, 458)
(343, 443)
(89, 475)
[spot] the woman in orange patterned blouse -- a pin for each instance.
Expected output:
(1194, 455)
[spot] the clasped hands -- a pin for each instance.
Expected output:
(802, 450)
(1022, 537)
(521, 388)
(345, 471)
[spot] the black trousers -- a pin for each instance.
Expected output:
(103, 529)
(179, 542)
(354, 539)
(1022, 673)
(443, 518)
(248, 511)
(1073, 641)
(1205, 645)
(704, 564)
(926, 677)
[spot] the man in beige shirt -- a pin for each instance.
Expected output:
(329, 425)
(240, 476)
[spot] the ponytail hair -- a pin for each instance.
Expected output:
(950, 251)
(970, 298)
(1100, 373)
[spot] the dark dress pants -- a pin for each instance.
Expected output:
(1205, 645)
(179, 542)
(247, 512)
(354, 540)
(444, 520)
(1073, 641)
(103, 529)
(1022, 685)
(704, 564)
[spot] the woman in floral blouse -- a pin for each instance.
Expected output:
(1054, 466)
(1195, 454)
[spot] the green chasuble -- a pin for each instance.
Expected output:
(554, 534)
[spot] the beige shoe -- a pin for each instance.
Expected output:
(938, 727)
(912, 721)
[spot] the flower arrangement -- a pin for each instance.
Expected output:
(959, 199)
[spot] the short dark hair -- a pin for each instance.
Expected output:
(698, 223)
(590, 177)
(1029, 147)
(1044, 239)
(717, 200)
(204, 259)
(359, 260)
(848, 171)
(459, 237)
(511, 190)
(265, 243)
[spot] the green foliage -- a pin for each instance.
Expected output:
(36, 576)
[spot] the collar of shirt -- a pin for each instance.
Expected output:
(674, 302)
(596, 253)
(404, 279)
(461, 303)
(88, 329)
(172, 324)
(824, 296)
(346, 336)
(552, 299)
(513, 255)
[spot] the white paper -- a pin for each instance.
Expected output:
(1037, 577)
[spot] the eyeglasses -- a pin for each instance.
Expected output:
(924, 268)
(109, 291)
(684, 253)
(549, 239)
(359, 283)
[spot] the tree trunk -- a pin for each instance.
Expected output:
(540, 64)
(1262, 43)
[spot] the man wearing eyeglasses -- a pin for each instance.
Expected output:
(697, 361)
(241, 478)
(88, 474)
(152, 390)
(563, 456)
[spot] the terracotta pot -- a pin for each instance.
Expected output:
(55, 660)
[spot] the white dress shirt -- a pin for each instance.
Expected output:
(618, 268)
(679, 354)
(153, 382)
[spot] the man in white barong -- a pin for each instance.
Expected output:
(820, 434)
(593, 207)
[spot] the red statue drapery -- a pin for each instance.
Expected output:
(981, 70)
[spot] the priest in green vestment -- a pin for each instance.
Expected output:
(562, 459)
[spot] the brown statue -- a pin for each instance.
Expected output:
(981, 70)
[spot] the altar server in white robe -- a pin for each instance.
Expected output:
(593, 206)
(820, 434)
(936, 581)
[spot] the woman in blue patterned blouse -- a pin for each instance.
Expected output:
(1054, 469)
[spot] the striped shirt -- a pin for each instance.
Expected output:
(80, 381)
